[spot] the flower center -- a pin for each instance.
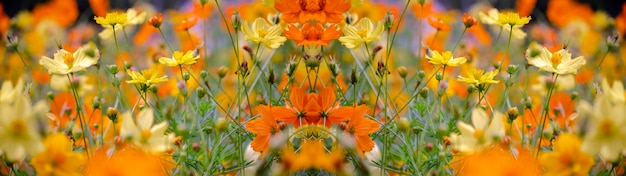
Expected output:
(556, 60)
(18, 127)
(479, 134)
(362, 33)
(565, 159)
(312, 5)
(606, 127)
(262, 33)
(145, 135)
(68, 59)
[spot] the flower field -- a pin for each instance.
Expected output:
(312, 87)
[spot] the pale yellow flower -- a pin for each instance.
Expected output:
(364, 32)
(615, 93)
(9, 92)
(131, 17)
(146, 77)
(61, 83)
(492, 17)
(19, 128)
(58, 158)
(262, 32)
(142, 134)
(478, 77)
(65, 62)
(559, 62)
(482, 134)
(445, 59)
(179, 59)
(566, 158)
(605, 134)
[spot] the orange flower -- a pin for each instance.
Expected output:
(186, 24)
(62, 12)
(439, 24)
(561, 12)
(326, 107)
(264, 128)
(127, 160)
(525, 7)
(312, 34)
(298, 107)
(99, 7)
(303, 11)
(501, 161)
(156, 20)
(361, 127)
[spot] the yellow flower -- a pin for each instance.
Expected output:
(19, 128)
(58, 158)
(262, 32)
(512, 18)
(147, 77)
(9, 92)
(615, 92)
(112, 19)
(65, 62)
(567, 158)
(478, 77)
(445, 59)
(142, 134)
(178, 59)
(605, 130)
(559, 62)
(493, 16)
(131, 17)
(362, 32)
(479, 136)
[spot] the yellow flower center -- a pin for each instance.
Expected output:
(262, 33)
(145, 135)
(68, 59)
(18, 127)
(479, 134)
(362, 33)
(565, 159)
(606, 127)
(556, 60)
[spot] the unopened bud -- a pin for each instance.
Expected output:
(511, 69)
(424, 92)
(404, 124)
(221, 125)
(421, 74)
(468, 20)
(200, 92)
(222, 71)
(512, 113)
(389, 20)
(156, 20)
(112, 114)
(402, 71)
(271, 78)
(113, 69)
(236, 20)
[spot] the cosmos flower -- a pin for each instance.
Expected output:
(445, 59)
(492, 17)
(179, 59)
(186, 24)
(127, 160)
(264, 128)
(58, 158)
(143, 134)
(512, 18)
(303, 11)
(615, 92)
(147, 77)
(312, 34)
(10, 92)
(605, 133)
(19, 128)
(360, 128)
(263, 32)
(66, 62)
(297, 109)
(439, 24)
(478, 77)
(559, 62)
(481, 134)
(119, 21)
(364, 32)
(566, 158)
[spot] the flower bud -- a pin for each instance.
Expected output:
(574, 95)
(511, 69)
(236, 20)
(376, 50)
(50, 95)
(113, 69)
(221, 124)
(195, 146)
(112, 114)
(97, 102)
(429, 147)
(402, 71)
(512, 113)
(424, 92)
(439, 76)
(353, 78)
(468, 20)
(222, 71)
(156, 20)
(200, 92)
(421, 74)
(153, 88)
(471, 88)
(612, 41)
(388, 20)
(271, 78)
(186, 76)
(404, 124)
(12, 40)
(204, 74)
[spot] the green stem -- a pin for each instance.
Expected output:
(165, 39)
(460, 38)
(608, 50)
(435, 37)
(545, 114)
(80, 116)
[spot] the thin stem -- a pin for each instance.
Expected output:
(435, 37)
(545, 114)
(79, 114)
(24, 61)
(165, 39)
(227, 28)
(460, 38)
(608, 50)
(190, 39)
